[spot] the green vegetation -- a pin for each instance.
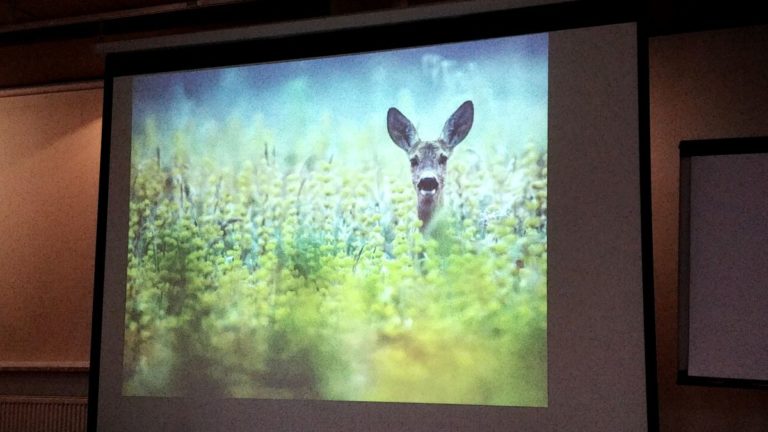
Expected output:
(287, 276)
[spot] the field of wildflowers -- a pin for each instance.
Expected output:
(267, 263)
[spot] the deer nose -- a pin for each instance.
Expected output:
(428, 185)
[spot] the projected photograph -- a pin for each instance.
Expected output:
(369, 227)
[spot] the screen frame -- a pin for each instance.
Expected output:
(344, 35)
(690, 149)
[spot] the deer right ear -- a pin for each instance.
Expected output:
(458, 125)
(401, 129)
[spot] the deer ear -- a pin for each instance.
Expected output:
(458, 125)
(401, 129)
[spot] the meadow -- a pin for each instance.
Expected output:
(292, 265)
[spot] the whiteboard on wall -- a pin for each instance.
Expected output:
(724, 262)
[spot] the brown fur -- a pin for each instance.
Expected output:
(429, 158)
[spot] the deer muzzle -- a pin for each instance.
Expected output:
(428, 186)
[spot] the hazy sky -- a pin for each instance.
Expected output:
(343, 100)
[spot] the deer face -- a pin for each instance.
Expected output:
(429, 159)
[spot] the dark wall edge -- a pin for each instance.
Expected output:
(101, 243)
(646, 217)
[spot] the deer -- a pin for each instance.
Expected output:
(429, 158)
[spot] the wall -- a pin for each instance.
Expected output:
(703, 85)
(49, 161)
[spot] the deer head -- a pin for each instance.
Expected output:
(429, 158)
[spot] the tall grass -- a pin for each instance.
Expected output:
(286, 277)
(274, 249)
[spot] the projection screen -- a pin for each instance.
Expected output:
(422, 220)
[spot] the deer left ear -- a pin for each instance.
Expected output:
(401, 130)
(458, 125)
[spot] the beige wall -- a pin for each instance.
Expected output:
(49, 162)
(703, 85)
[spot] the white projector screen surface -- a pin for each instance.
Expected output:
(727, 267)
(542, 332)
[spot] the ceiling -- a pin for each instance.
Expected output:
(18, 15)
(27, 20)
(51, 41)
(24, 11)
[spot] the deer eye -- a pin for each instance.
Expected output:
(414, 161)
(442, 160)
